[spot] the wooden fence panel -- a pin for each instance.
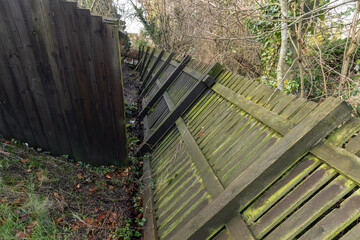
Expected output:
(61, 79)
(242, 160)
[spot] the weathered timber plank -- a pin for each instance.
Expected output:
(147, 65)
(274, 100)
(226, 136)
(280, 189)
(62, 67)
(250, 89)
(244, 125)
(261, 93)
(353, 234)
(337, 220)
(345, 162)
(164, 87)
(184, 174)
(205, 120)
(215, 134)
(266, 169)
(47, 44)
(190, 208)
(12, 107)
(156, 76)
(196, 91)
(292, 200)
(236, 143)
(150, 73)
(263, 147)
(238, 229)
(172, 139)
(354, 145)
(68, 35)
(223, 235)
(169, 216)
(117, 94)
(283, 103)
(78, 77)
(344, 133)
(255, 91)
(269, 118)
(100, 87)
(268, 96)
(207, 111)
(209, 178)
(293, 108)
(240, 88)
(150, 231)
(177, 198)
(179, 157)
(316, 206)
(144, 58)
(195, 110)
(249, 140)
(305, 111)
(86, 77)
(192, 211)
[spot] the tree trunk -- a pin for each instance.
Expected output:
(284, 45)
(299, 34)
(349, 52)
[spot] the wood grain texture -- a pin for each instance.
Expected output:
(266, 169)
(61, 80)
(345, 162)
(269, 118)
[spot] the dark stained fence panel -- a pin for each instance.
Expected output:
(61, 80)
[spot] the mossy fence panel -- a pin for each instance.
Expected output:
(231, 158)
(60, 85)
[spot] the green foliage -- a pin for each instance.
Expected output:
(150, 25)
(267, 24)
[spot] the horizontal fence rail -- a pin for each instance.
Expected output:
(231, 158)
(60, 85)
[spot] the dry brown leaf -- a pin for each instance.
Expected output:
(111, 187)
(59, 220)
(107, 176)
(32, 225)
(75, 227)
(101, 216)
(21, 235)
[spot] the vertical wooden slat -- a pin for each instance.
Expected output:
(19, 88)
